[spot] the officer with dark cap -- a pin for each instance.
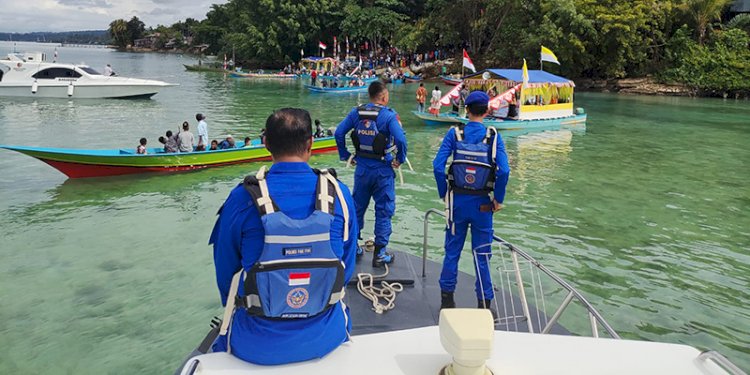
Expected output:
(377, 135)
(473, 189)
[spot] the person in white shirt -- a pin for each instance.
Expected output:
(108, 71)
(202, 132)
(435, 101)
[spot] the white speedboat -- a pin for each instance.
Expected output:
(525, 337)
(29, 75)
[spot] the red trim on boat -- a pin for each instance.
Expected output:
(79, 170)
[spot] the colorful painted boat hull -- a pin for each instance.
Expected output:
(432, 120)
(532, 124)
(258, 75)
(76, 163)
(450, 80)
(412, 79)
(335, 90)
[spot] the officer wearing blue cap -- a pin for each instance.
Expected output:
(377, 135)
(473, 189)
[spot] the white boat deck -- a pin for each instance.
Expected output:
(418, 351)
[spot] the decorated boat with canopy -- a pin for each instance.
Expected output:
(317, 63)
(541, 100)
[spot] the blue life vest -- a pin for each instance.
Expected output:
(368, 141)
(297, 275)
(472, 170)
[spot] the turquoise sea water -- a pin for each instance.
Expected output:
(646, 210)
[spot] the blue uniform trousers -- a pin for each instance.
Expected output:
(377, 183)
(466, 212)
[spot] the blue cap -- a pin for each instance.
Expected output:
(477, 98)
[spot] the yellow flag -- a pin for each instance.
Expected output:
(547, 55)
(525, 73)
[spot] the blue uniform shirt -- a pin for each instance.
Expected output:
(474, 132)
(238, 241)
(388, 124)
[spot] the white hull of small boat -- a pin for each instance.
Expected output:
(134, 89)
(30, 76)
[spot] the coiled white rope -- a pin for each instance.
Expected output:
(387, 291)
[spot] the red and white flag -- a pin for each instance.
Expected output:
(299, 278)
(467, 62)
(322, 45)
(471, 170)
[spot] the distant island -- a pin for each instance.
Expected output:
(66, 37)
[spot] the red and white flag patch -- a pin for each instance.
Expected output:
(299, 278)
(471, 170)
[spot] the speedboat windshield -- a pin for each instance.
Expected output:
(90, 70)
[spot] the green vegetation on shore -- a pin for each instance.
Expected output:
(698, 43)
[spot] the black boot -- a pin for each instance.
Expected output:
(381, 257)
(446, 300)
(487, 304)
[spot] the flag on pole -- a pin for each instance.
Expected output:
(467, 62)
(525, 73)
(335, 45)
(302, 52)
(322, 45)
(547, 55)
(347, 45)
(225, 61)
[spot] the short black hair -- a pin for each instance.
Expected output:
(169, 133)
(143, 141)
(376, 88)
(199, 116)
(185, 125)
(477, 109)
(288, 131)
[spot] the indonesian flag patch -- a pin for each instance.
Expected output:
(299, 278)
(471, 170)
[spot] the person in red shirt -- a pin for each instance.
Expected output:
(313, 77)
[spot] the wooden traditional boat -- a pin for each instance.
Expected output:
(448, 80)
(412, 79)
(442, 119)
(78, 163)
(336, 90)
(205, 68)
(549, 123)
(263, 75)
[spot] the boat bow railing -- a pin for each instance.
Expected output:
(514, 274)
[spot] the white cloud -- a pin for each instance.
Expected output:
(71, 15)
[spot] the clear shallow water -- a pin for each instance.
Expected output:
(646, 211)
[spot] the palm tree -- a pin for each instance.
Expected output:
(703, 12)
(118, 29)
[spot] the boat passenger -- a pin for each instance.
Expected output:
(141, 149)
(202, 132)
(247, 142)
(291, 313)
(377, 135)
(170, 142)
(108, 71)
(185, 138)
(435, 101)
(474, 189)
(214, 145)
(313, 77)
(421, 97)
(227, 143)
(319, 132)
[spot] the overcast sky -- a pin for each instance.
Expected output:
(69, 15)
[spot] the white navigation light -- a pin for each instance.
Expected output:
(467, 335)
(486, 76)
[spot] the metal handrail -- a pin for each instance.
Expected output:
(572, 292)
(722, 361)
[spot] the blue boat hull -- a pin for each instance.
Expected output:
(531, 124)
(335, 90)
(432, 120)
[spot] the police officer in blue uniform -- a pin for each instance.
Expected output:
(284, 248)
(377, 135)
(473, 189)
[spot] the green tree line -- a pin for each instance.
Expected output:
(695, 42)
